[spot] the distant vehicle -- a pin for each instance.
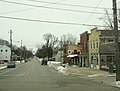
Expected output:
(11, 65)
(44, 62)
(26, 60)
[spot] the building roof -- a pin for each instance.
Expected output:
(105, 32)
(3, 46)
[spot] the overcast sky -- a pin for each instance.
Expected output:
(31, 32)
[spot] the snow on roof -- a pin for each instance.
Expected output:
(72, 55)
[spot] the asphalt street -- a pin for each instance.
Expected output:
(32, 76)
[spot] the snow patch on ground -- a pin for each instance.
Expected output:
(117, 84)
(50, 63)
(40, 59)
(3, 67)
(111, 75)
(53, 62)
(60, 69)
(95, 75)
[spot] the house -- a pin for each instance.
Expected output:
(96, 38)
(84, 59)
(71, 53)
(5, 53)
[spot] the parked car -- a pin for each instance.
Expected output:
(11, 65)
(44, 62)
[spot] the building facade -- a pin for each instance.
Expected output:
(84, 58)
(5, 53)
(71, 49)
(97, 38)
(107, 55)
(94, 41)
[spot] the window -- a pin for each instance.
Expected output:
(6, 50)
(69, 52)
(1, 50)
(110, 41)
(97, 60)
(91, 59)
(97, 45)
(75, 51)
(93, 45)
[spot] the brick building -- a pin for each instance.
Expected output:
(84, 59)
(71, 49)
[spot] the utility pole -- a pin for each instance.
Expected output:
(11, 45)
(21, 52)
(61, 57)
(117, 53)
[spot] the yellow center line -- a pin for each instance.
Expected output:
(28, 69)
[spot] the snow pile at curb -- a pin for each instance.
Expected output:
(117, 84)
(61, 70)
(40, 59)
(111, 75)
(95, 75)
(3, 67)
(51, 63)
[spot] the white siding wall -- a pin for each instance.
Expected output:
(5, 52)
(59, 56)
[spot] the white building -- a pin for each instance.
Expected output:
(5, 53)
(59, 56)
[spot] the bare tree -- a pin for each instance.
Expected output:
(108, 20)
(51, 43)
(39, 45)
(68, 39)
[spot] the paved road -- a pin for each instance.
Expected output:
(31, 76)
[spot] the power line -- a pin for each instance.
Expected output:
(18, 3)
(16, 11)
(45, 21)
(92, 13)
(94, 10)
(25, 9)
(68, 4)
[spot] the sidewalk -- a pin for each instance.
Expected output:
(91, 74)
